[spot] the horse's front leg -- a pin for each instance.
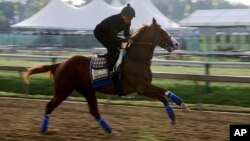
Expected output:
(151, 92)
(177, 100)
(155, 92)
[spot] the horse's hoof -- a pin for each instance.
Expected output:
(173, 123)
(185, 108)
(114, 133)
(50, 133)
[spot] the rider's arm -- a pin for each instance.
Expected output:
(115, 37)
(126, 31)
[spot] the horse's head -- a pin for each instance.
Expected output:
(162, 38)
(154, 35)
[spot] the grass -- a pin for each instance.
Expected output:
(25, 63)
(221, 93)
(233, 94)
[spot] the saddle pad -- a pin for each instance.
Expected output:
(99, 72)
(98, 63)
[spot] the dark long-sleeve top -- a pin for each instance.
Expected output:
(112, 25)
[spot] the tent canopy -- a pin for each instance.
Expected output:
(56, 15)
(146, 11)
(218, 18)
(59, 15)
(116, 3)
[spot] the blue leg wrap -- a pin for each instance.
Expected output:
(44, 124)
(170, 111)
(174, 98)
(104, 124)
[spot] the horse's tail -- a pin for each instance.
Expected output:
(40, 69)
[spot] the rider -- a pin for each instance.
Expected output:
(106, 33)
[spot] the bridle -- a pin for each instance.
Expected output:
(164, 45)
(145, 43)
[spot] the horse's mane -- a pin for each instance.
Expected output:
(138, 32)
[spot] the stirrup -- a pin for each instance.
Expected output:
(110, 73)
(116, 69)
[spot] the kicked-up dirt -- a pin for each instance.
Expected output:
(20, 120)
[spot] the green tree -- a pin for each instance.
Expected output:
(6, 15)
(31, 7)
(3, 22)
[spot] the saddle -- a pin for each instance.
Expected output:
(99, 69)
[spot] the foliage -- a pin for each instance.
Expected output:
(6, 15)
(14, 10)
(3, 21)
(31, 7)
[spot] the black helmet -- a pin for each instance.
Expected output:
(128, 11)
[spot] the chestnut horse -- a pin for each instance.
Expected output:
(136, 75)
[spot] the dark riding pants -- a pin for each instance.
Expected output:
(113, 51)
(112, 48)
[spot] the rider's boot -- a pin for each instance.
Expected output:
(117, 84)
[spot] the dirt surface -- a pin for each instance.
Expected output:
(20, 121)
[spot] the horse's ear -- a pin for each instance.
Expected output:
(154, 21)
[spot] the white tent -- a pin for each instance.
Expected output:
(59, 15)
(94, 12)
(218, 18)
(56, 15)
(116, 3)
(146, 11)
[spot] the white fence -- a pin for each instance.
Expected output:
(206, 65)
(54, 59)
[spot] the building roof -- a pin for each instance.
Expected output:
(218, 18)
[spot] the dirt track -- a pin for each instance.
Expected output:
(20, 121)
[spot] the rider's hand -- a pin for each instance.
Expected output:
(130, 41)
(124, 45)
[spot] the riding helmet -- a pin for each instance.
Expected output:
(128, 11)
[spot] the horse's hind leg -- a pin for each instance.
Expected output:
(60, 95)
(93, 107)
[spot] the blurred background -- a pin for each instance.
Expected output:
(214, 36)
